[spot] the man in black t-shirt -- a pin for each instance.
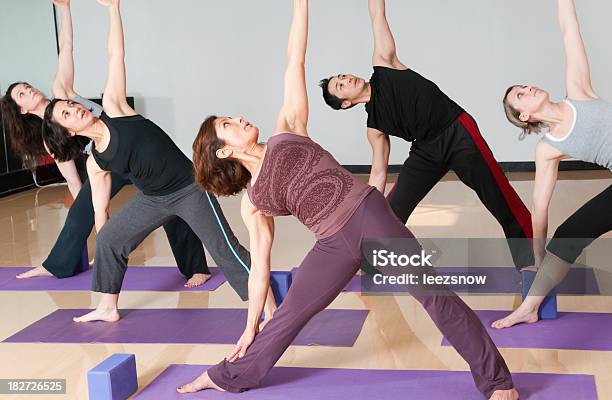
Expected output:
(400, 102)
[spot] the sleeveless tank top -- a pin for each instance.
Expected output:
(142, 151)
(298, 177)
(590, 137)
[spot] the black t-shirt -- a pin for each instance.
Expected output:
(146, 154)
(406, 105)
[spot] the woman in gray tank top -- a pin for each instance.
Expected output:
(579, 127)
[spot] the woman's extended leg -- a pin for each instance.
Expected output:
(591, 221)
(65, 256)
(202, 212)
(323, 274)
(457, 322)
(188, 252)
(116, 240)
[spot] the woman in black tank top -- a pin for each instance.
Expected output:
(123, 141)
(126, 143)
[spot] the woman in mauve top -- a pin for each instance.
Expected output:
(293, 175)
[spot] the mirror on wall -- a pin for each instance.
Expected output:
(29, 53)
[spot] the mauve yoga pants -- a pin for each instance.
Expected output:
(323, 274)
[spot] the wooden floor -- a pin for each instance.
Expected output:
(31, 221)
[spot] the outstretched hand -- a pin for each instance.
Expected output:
(61, 3)
(243, 344)
(108, 3)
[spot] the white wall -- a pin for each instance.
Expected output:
(187, 59)
(27, 44)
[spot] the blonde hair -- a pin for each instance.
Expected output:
(513, 115)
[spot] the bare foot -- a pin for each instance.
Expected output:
(38, 271)
(202, 382)
(523, 314)
(511, 394)
(106, 315)
(197, 280)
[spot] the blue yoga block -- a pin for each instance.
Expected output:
(84, 265)
(280, 281)
(113, 379)
(548, 308)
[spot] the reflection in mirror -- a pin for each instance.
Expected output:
(29, 54)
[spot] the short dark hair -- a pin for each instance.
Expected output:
(61, 145)
(24, 129)
(331, 100)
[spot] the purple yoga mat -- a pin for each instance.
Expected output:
(570, 331)
(579, 281)
(364, 384)
(159, 279)
(203, 325)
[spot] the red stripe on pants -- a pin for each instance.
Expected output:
(515, 203)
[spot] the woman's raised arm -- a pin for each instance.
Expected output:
(577, 73)
(293, 116)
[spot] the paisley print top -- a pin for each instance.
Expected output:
(298, 177)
